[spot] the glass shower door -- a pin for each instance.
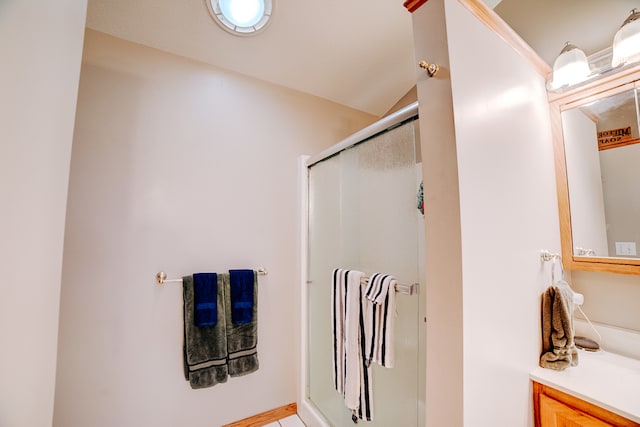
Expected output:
(363, 216)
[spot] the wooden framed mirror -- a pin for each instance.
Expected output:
(596, 134)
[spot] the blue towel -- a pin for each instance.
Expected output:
(205, 295)
(241, 284)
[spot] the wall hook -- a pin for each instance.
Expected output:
(431, 69)
(546, 256)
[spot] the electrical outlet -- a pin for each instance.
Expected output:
(626, 248)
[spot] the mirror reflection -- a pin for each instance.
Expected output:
(602, 149)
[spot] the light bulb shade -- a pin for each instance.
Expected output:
(626, 42)
(571, 67)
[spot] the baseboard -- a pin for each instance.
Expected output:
(266, 417)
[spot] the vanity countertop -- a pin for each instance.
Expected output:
(605, 379)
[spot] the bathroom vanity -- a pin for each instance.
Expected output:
(603, 390)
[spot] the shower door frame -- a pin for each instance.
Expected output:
(307, 410)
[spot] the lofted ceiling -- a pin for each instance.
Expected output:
(358, 53)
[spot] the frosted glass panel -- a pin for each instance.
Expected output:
(363, 215)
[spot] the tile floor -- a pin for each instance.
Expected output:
(291, 421)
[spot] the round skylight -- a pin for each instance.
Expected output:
(241, 17)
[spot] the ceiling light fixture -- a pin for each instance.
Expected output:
(241, 17)
(626, 43)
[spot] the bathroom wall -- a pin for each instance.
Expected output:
(41, 48)
(508, 214)
(610, 299)
(409, 98)
(496, 135)
(180, 167)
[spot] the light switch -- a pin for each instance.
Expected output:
(626, 248)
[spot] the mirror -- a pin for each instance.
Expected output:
(597, 156)
(602, 153)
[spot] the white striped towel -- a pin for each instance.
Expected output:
(380, 320)
(352, 378)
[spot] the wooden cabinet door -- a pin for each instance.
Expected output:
(556, 414)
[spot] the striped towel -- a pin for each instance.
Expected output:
(380, 319)
(351, 374)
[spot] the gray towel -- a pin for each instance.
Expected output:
(205, 348)
(242, 339)
(558, 348)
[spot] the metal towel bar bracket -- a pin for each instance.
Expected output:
(412, 289)
(400, 288)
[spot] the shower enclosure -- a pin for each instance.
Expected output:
(363, 214)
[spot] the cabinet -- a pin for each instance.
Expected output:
(553, 408)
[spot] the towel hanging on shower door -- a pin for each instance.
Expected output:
(351, 373)
(380, 319)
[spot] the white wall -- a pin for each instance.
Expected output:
(40, 47)
(444, 382)
(610, 299)
(508, 213)
(181, 167)
(497, 127)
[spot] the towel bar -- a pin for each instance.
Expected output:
(161, 276)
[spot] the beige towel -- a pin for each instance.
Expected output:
(558, 349)
(380, 319)
(351, 374)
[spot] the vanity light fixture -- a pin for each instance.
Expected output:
(573, 67)
(570, 67)
(241, 17)
(626, 42)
